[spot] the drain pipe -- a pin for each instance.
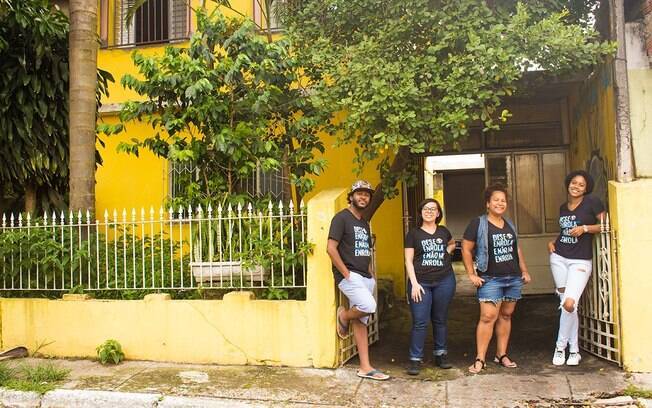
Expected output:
(624, 160)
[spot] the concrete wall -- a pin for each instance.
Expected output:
(631, 204)
(235, 330)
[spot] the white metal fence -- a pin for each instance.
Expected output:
(232, 247)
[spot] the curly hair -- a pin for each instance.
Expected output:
(587, 178)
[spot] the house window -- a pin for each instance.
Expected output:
(155, 21)
(179, 175)
(260, 184)
(260, 14)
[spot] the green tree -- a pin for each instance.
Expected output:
(229, 104)
(412, 75)
(34, 81)
(34, 95)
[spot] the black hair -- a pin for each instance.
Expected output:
(350, 194)
(423, 204)
(587, 178)
(490, 190)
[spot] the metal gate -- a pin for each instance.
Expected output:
(598, 309)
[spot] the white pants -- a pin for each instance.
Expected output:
(571, 274)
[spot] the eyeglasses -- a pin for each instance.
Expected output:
(429, 209)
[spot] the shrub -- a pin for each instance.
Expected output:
(110, 352)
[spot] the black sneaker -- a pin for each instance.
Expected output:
(442, 362)
(414, 368)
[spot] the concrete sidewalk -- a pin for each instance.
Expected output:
(149, 384)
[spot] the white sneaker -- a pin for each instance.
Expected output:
(573, 359)
(559, 358)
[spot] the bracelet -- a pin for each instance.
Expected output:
(585, 228)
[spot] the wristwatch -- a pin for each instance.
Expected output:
(585, 228)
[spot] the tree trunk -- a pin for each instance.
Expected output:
(82, 111)
(30, 198)
(400, 162)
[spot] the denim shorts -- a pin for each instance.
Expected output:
(500, 289)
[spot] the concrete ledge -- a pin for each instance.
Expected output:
(153, 297)
(98, 399)
(239, 296)
(19, 399)
(76, 296)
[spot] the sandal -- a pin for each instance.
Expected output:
(473, 368)
(500, 362)
(342, 329)
(373, 375)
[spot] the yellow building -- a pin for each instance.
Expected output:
(563, 126)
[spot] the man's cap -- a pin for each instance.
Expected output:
(361, 185)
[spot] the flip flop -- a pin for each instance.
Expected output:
(342, 329)
(373, 375)
(500, 362)
(474, 370)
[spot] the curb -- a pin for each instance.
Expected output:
(61, 398)
(98, 399)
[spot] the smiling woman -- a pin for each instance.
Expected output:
(431, 284)
(571, 259)
(491, 241)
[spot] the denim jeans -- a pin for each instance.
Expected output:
(434, 307)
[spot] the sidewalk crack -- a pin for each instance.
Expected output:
(130, 377)
(570, 389)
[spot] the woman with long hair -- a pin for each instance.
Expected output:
(499, 275)
(571, 259)
(431, 283)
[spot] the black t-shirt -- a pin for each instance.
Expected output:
(431, 260)
(585, 214)
(503, 249)
(354, 243)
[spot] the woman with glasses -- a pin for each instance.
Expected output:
(431, 284)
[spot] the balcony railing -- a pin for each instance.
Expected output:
(156, 21)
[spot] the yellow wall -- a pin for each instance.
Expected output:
(194, 331)
(630, 203)
(127, 181)
(640, 101)
(592, 118)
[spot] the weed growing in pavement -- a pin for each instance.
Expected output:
(39, 378)
(636, 392)
(6, 373)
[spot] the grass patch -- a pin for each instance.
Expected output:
(636, 392)
(40, 378)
